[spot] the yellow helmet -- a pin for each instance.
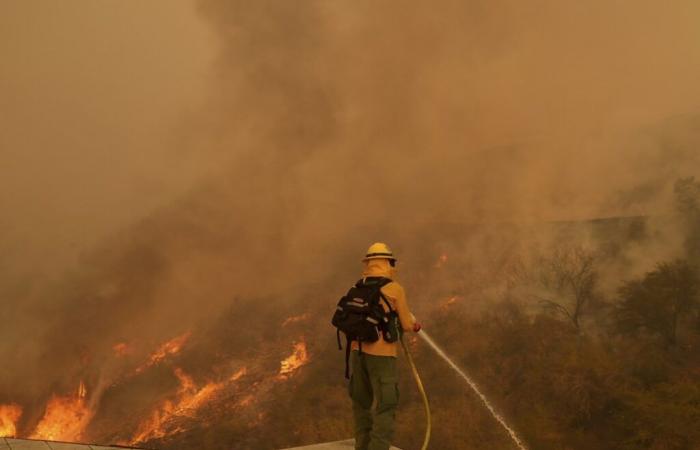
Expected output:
(379, 250)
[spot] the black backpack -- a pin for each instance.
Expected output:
(361, 317)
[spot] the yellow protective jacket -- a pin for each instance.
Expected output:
(396, 296)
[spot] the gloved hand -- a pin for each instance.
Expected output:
(416, 327)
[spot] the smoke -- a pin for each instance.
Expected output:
(398, 119)
(317, 128)
(91, 96)
(459, 112)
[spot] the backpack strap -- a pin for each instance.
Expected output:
(380, 282)
(373, 281)
(347, 358)
(381, 294)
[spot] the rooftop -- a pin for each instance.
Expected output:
(337, 445)
(29, 444)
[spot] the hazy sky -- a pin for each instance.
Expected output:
(91, 96)
(458, 111)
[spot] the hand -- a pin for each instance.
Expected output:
(416, 327)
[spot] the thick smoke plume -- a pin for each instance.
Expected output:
(398, 119)
(318, 128)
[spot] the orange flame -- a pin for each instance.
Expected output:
(121, 349)
(236, 376)
(449, 302)
(297, 359)
(65, 418)
(295, 319)
(153, 427)
(171, 347)
(247, 400)
(189, 400)
(9, 415)
(192, 398)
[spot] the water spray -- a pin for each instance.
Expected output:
(471, 384)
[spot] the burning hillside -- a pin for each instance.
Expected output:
(234, 389)
(176, 228)
(231, 381)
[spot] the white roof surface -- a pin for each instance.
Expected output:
(28, 444)
(337, 445)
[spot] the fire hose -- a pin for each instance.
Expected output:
(419, 383)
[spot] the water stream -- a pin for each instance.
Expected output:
(426, 337)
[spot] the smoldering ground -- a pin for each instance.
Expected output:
(317, 128)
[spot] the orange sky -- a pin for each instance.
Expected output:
(480, 110)
(92, 94)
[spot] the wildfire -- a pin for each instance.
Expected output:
(171, 347)
(153, 427)
(246, 401)
(451, 301)
(297, 359)
(121, 349)
(442, 260)
(413, 343)
(65, 418)
(238, 374)
(189, 399)
(9, 415)
(295, 319)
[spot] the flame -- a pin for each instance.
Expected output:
(297, 359)
(450, 301)
(171, 347)
(246, 401)
(295, 319)
(442, 260)
(153, 427)
(121, 349)
(65, 418)
(191, 397)
(236, 376)
(188, 400)
(413, 343)
(257, 421)
(9, 415)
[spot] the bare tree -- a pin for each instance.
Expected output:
(569, 279)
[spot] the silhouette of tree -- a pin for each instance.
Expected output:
(659, 302)
(570, 281)
(687, 193)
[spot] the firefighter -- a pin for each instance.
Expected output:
(373, 385)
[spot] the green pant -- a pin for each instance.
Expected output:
(374, 383)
